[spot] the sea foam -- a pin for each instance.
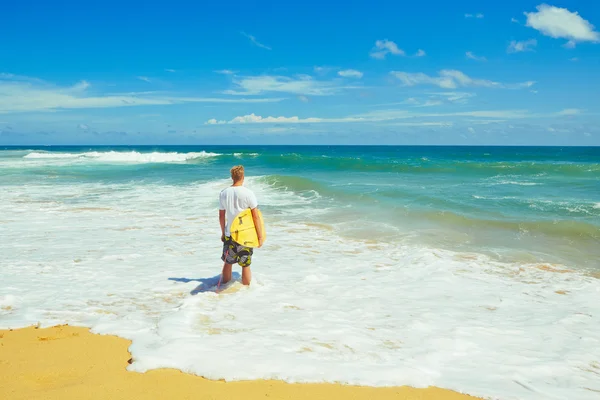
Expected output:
(320, 309)
(127, 157)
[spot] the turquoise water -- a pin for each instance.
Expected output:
(469, 268)
(517, 203)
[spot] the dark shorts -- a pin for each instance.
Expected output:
(235, 253)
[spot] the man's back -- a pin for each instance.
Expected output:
(234, 200)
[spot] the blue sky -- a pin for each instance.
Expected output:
(437, 72)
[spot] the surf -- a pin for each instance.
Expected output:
(123, 156)
(147, 251)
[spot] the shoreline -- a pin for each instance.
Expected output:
(67, 362)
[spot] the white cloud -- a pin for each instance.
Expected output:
(380, 116)
(257, 119)
(569, 112)
(81, 86)
(252, 119)
(144, 78)
(26, 95)
(452, 79)
(176, 100)
(19, 78)
(472, 56)
(485, 121)
(514, 20)
(350, 73)
(561, 23)
(431, 103)
(509, 114)
(440, 124)
(225, 72)
(462, 79)
(437, 99)
(170, 70)
(322, 70)
(486, 115)
(301, 85)
(83, 127)
(570, 44)
(255, 42)
(455, 97)
(478, 117)
(418, 78)
(420, 53)
(479, 16)
(517, 47)
(527, 84)
(384, 47)
(303, 99)
(394, 114)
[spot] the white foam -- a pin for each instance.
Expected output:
(597, 205)
(7, 303)
(125, 260)
(245, 154)
(508, 179)
(518, 183)
(578, 209)
(124, 156)
(36, 154)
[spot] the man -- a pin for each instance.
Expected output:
(233, 200)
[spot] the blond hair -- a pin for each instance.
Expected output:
(237, 173)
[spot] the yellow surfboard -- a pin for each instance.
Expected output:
(243, 231)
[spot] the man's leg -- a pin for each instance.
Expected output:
(246, 275)
(226, 274)
(245, 260)
(228, 258)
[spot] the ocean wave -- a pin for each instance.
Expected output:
(568, 229)
(501, 309)
(305, 187)
(246, 154)
(426, 165)
(130, 156)
(518, 183)
(52, 155)
(447, 301)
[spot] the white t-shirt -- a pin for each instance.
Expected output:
(234, 200)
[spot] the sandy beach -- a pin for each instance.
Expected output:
(65, 362)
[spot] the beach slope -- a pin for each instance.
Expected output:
(65, 362)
